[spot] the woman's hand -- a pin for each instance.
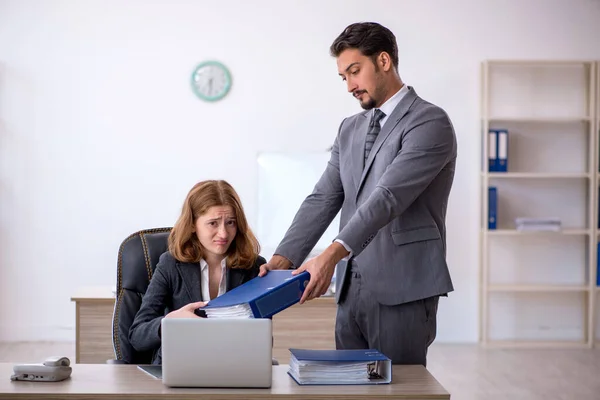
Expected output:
(186, 311)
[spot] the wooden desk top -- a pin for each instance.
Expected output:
(103, 381)
(98, 293)
(105, 293)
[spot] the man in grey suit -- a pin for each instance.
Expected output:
(390, 172)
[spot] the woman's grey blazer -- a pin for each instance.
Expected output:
(174, 284)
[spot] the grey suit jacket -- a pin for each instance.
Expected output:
(174, 284)
(393, 206)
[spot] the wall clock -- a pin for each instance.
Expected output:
(211, 81)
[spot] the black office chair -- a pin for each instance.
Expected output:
(137, 259)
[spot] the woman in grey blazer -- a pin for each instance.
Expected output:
(211, 250)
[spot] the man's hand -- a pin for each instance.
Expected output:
(186, 311)
(321, 269)
(276, 262)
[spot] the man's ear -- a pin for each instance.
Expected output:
(384, 60)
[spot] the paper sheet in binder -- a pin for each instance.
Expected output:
(261, 297)
(339, 367)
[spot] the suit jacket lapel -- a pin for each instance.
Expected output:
(234, 278)
(190, 276)
(357, 151)
(398, 113)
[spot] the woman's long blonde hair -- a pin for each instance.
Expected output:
(183, 241)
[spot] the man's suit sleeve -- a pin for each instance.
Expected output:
(144, 331)
(316, 212)
(426, 148)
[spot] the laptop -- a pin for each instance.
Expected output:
(217, 352)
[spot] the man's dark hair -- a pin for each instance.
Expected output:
(370, 38)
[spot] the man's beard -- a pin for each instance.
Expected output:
(372, 102)
(369, 104)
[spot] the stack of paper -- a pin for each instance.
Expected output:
(261, 297)
(538, 224)
(339, 367)
(235, 311)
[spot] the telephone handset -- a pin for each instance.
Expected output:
(54, 369)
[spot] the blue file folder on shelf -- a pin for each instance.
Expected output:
(498, 150)
(502, 150)
(492, 207)
(598, 266)
(492, 151)
(261, 297)
(339, 367)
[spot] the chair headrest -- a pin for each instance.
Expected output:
(138, 256)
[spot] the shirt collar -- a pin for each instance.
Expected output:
(393, 101)
(204, 264)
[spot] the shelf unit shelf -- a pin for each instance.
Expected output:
(515, 232)
(538, 288)
(540, 120)
(539, 175)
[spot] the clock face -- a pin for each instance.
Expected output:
(211, 81)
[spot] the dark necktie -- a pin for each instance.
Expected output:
(373, 131)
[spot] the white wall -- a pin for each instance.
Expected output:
(100, 134)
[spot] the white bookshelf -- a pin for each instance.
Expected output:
(538, 289)
(594, 311)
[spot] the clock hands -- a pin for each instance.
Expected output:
(211, 81)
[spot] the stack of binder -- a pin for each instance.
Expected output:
(339, 367)
(261, 297)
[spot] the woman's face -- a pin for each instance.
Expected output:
(216, 229)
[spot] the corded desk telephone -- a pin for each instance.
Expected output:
(54, 369)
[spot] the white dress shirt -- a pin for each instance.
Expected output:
(387, 108)
(204, 284)
(390, 104)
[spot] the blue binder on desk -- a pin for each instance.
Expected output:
(339, 367)
(261, 297)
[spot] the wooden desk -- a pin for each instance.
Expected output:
(310, 325)
(94, 308)
(96, 382)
